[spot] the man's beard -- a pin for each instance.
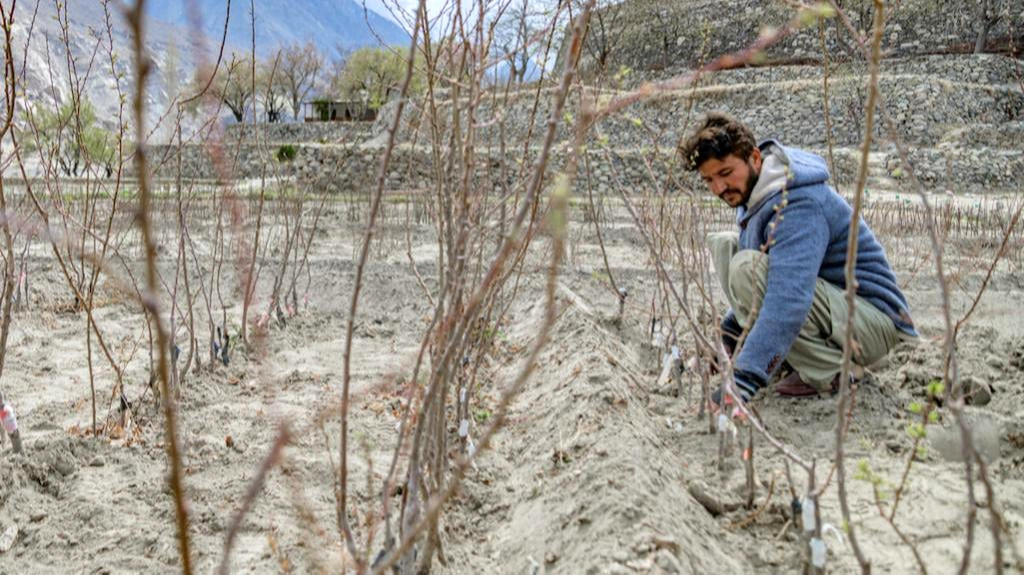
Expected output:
(752, 176)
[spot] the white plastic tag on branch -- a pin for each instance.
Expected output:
(471, 452)
(10, 422)
(818, 550)
(675, 352)
(723, 423)
(464, 428)
(692, 364)
(808, 515)
(462, 395)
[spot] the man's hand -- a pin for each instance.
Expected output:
(730, 332)
(747, 385)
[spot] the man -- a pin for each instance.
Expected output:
(784, 271)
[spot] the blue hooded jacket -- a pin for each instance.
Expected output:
(804, 229)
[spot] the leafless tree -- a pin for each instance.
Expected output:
(232, 83)
(270, 92)
(603, 35)
(298, 73)
(987, 15)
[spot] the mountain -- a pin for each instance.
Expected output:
(329, 24)
(48, 64)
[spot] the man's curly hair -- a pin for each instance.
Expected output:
(715, 138)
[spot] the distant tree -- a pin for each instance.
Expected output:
(512, 33)
(270, 91)
(987, 15)
(297, 75)
(372, 73)
(233, 83)
(603, 34)
(73, 139)
(452, 60)
(520, 34)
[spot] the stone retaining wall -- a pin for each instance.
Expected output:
(653, 35)
(1009, 136)
(989, 69)
(788, 103)
(352, 169)
(285, 132)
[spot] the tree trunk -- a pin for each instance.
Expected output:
(986, 19)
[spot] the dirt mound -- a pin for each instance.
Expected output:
(586, 478)
(602, 471)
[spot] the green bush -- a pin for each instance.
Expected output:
(286, 153)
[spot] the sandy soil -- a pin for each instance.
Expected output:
(595, 473)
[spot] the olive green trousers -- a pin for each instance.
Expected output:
(817, 353)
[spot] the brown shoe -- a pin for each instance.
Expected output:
(794, 386)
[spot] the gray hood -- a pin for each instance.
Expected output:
(774, 176)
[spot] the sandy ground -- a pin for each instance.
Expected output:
(595, 473)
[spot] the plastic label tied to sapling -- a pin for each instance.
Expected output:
(723, 423)
(808, 515)
(671, 365)
(726, 425)
(658, 341)
(464, 433)
(666, 367)
(818, 552)
(818, 547)
(10, 425)
(670, 359)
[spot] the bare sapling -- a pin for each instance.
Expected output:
(8, 421)
(136, 19)
(426, 518)
(342, 492)
(851, 288)
(952, 384)
(250, 262)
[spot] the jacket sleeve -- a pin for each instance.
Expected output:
(797, 236)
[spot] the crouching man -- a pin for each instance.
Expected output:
(783, 272)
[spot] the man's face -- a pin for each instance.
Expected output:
(732, 179)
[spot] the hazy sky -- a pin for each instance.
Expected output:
(380, 7)
(434, 7)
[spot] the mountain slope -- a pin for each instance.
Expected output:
(330, 24)
(50, 69)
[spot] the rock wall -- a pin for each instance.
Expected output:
(335, 168)
(317, 132)
(929, 98)
(352, 169)
(651, 35)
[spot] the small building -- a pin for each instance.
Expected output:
(337, 111)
